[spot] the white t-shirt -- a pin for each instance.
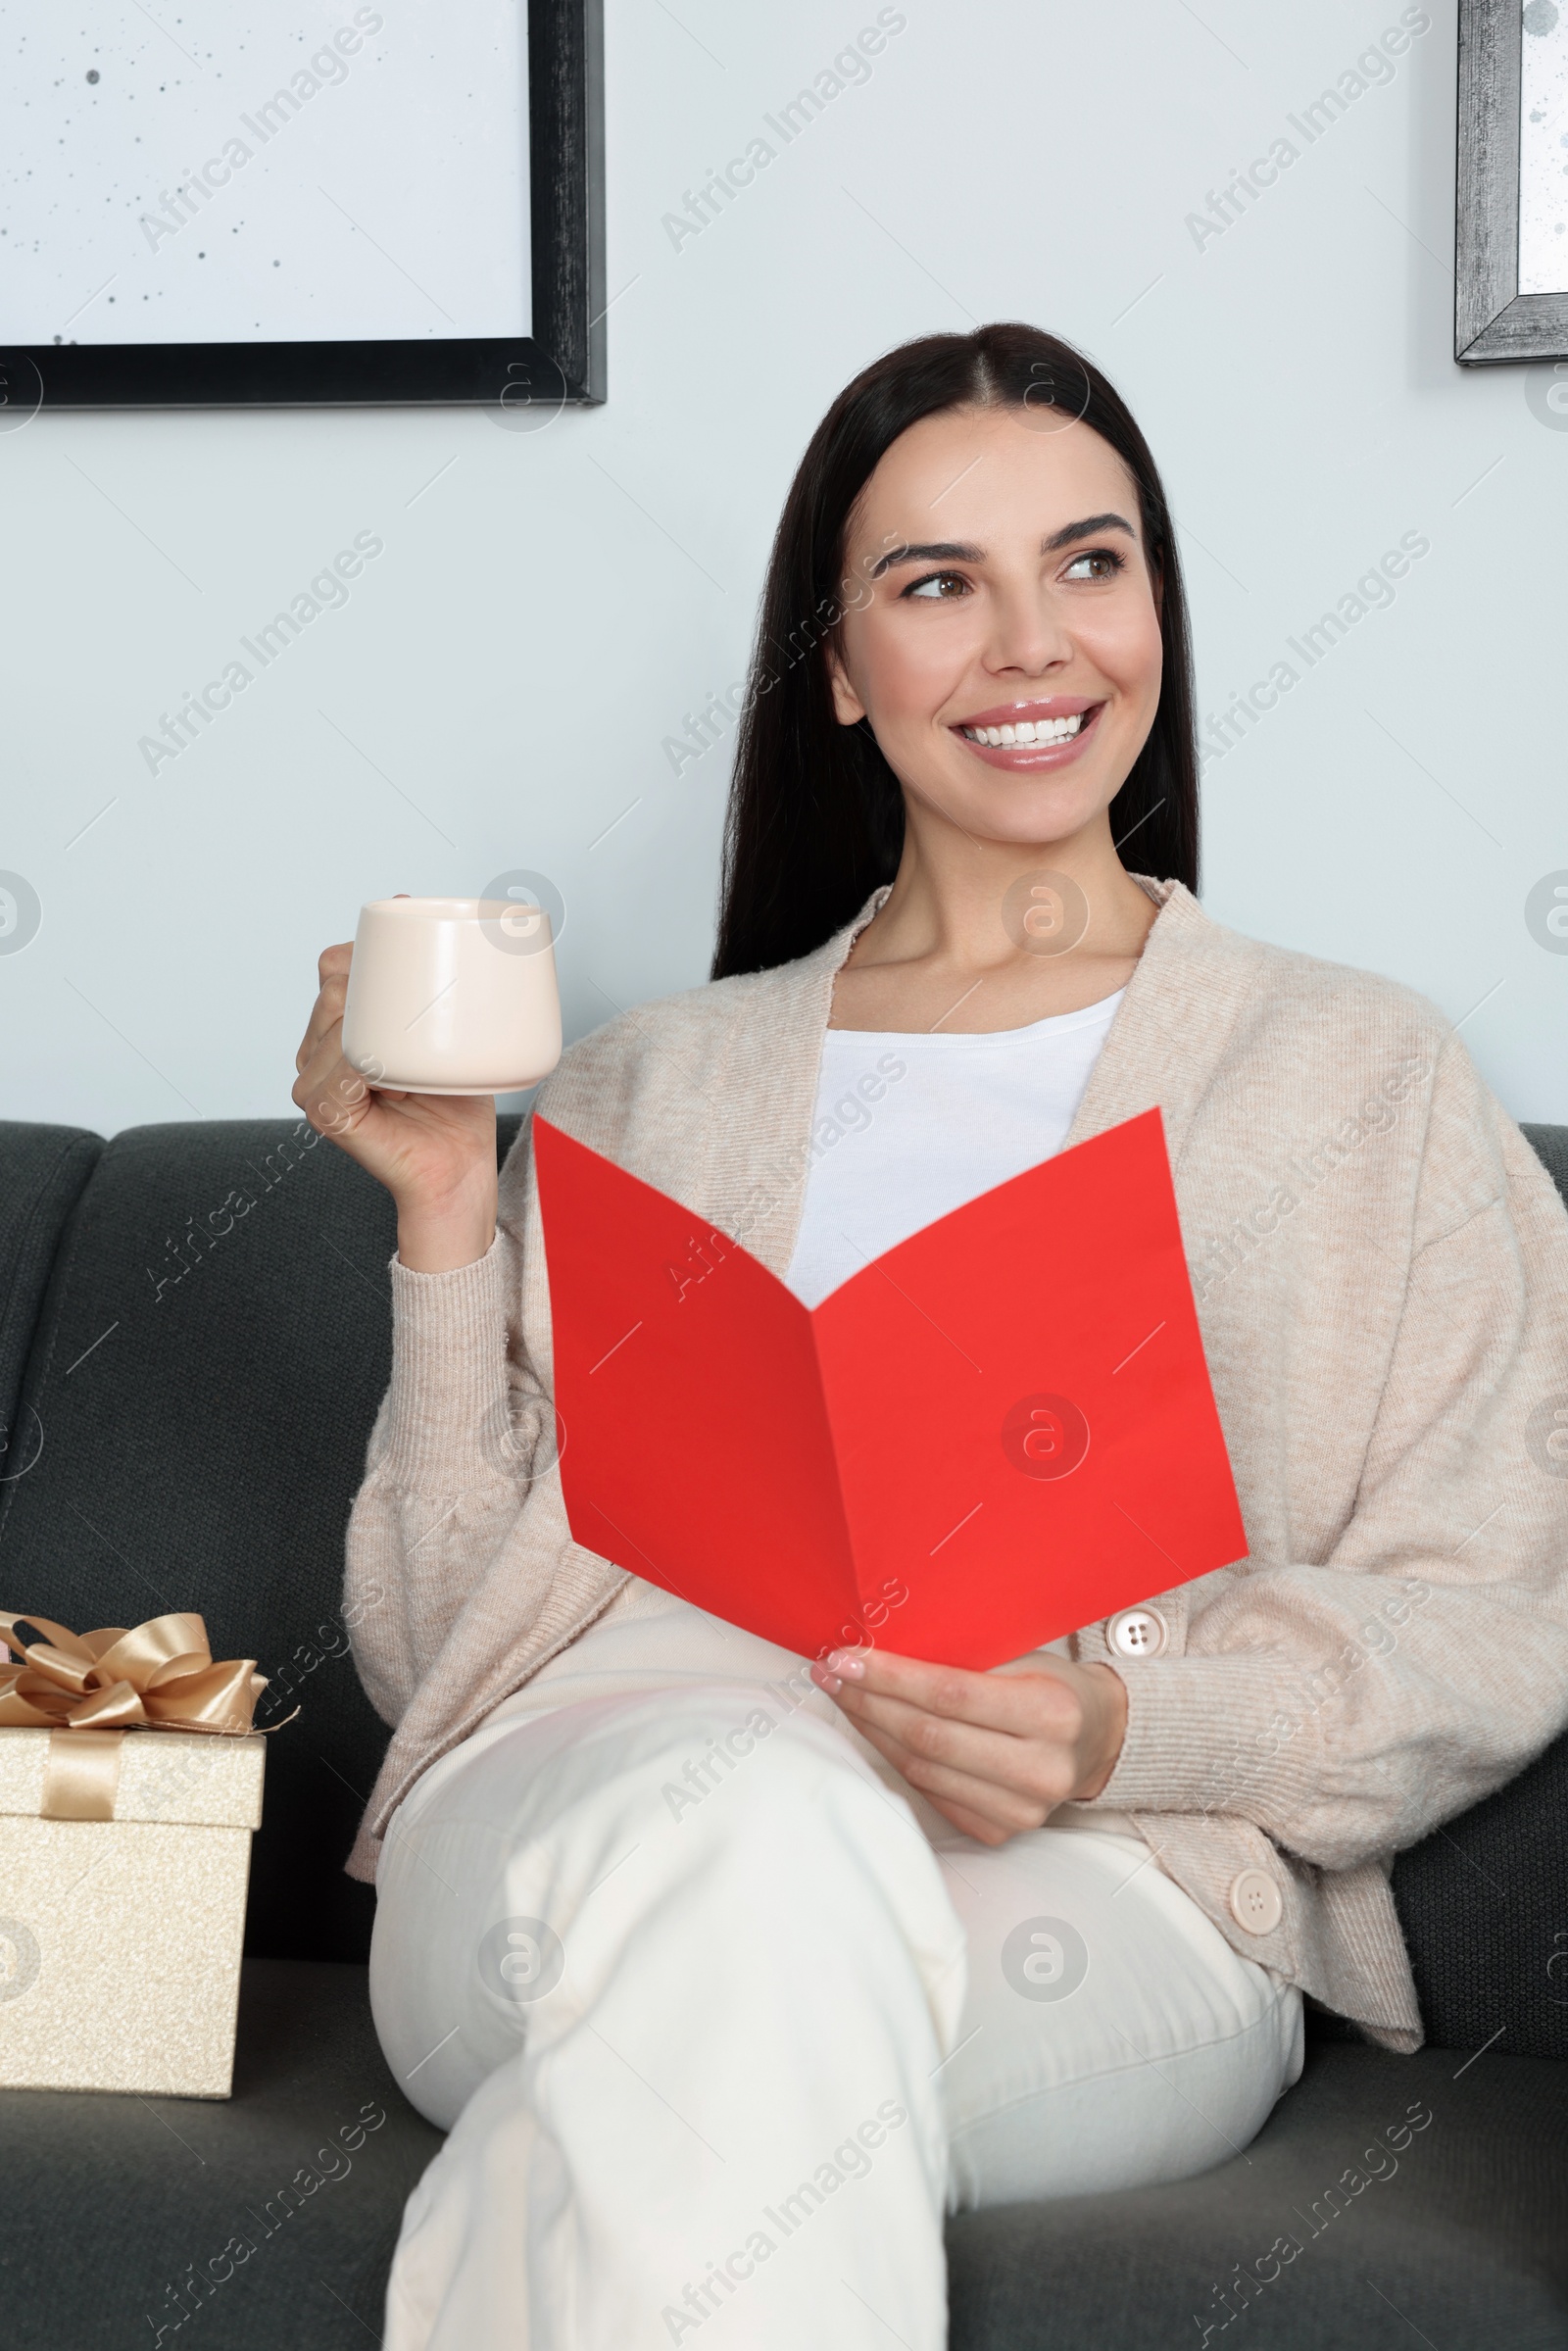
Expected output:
(906, 1128)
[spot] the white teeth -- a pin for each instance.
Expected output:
(1028, 730)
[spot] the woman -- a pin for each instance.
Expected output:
(697, 1950)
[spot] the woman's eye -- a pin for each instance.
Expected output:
(939, 585)
(1096, 563)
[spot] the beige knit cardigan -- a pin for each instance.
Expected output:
(1381, 1266)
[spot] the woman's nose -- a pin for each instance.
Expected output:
(1028, 635)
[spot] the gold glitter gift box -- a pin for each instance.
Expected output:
(124, 1857)
(120, 1941)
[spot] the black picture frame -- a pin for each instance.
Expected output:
(1492, 321)
(561, 361)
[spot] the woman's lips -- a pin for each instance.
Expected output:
(1032, 757)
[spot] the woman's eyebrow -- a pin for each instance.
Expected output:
(1086, 529)
(938, 550)
(955, 551)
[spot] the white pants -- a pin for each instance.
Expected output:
(720, 2034)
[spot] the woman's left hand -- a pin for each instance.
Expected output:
(996, 1753)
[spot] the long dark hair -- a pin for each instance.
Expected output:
(815, 819)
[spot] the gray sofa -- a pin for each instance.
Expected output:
(194, 1334)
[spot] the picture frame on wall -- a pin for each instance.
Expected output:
(246, 209)
(1511, 208)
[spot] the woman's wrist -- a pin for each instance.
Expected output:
(1111, 1732)
(444, 1240)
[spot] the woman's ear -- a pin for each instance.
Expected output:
(848, 707)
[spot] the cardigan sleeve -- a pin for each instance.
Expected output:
(464, 1431)
(1349, 1705)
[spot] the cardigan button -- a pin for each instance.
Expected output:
(1256, 1902)
(1137, 1633)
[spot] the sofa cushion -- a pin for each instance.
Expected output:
(263, 2223)
(214, 1342)
(1484, 1905)
(1550, 1146)
(1459, 2240)
(1327, 2232)
(45, 1168)
(210, 1354)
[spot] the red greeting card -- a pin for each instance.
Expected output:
(996, 1432)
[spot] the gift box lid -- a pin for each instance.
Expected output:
(180, 1778)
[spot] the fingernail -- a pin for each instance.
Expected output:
(831, 1684)
(846, 1662)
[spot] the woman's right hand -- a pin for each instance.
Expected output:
(435, 1152)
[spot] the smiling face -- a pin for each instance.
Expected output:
(1004, 644)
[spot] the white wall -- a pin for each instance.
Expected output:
(496, 691)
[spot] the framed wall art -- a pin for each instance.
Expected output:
(1511, 229)
(332, 205)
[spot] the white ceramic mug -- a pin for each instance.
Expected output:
(451, 996)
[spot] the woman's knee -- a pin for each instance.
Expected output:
(797, 1832)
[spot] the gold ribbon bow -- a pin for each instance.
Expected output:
(88, 1688)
